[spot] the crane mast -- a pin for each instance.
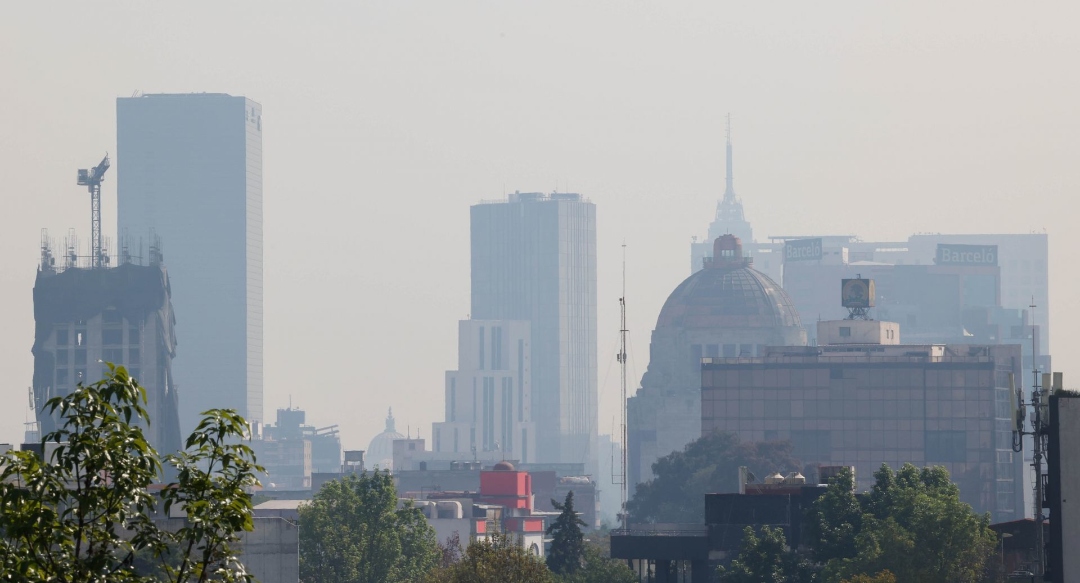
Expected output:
(91, 179)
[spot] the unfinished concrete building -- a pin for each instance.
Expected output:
(88, 314)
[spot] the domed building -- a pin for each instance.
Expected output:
(380, 452)
(726, 309)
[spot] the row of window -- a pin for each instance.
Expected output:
(110, 336)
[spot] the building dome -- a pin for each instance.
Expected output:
(503, 466)
(728, 293)
(380, 451)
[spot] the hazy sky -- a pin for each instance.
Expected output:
(384, 121)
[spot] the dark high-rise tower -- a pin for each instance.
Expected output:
(189, 168)
(534, 259)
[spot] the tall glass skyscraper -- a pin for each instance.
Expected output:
(534, 259)
(189, 171)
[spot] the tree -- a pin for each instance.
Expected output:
(597, 567)
(709, 464)
(354, 532)
(567, 542)
(913, 525)
(82, 509)
(498, 559)
(834, 520)
(882, 577)
(766, 558)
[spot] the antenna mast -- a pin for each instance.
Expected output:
(1038, 432)
(622, 404)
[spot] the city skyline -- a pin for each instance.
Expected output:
(844, 118)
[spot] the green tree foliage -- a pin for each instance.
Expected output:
(499, 559)
(765, 557)
(709, 464)
(913, 525)
(882, 577)
(597, 567)
(85, 514)
(835, 519)
(567, 542)
(354, 532)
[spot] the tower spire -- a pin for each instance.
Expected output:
(729, 190)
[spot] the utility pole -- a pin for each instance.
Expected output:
(1039, 420)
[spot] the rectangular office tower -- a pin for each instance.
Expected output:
(534, 259)
(189, 170)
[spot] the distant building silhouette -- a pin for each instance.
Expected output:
(534, 260)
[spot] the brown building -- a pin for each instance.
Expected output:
(863, 405)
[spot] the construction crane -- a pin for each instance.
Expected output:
(91, 179)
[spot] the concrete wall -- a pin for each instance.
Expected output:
(858, 332)
(271, 552)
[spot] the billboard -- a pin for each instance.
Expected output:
(802, 250)
(950, 254)
(857, 293)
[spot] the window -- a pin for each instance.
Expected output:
(133, 335)
(135, 372)
(845, 331)
(730, 351)
(62, 336)
(946, 446)
(62, 357)
(134, 356)
(61, 377)
(80, 357)
(112, 337)
(481, 348)
(113, 355)
(80, 337)
(452, 413)
(412, 446)
(111, 317)
(812, 445)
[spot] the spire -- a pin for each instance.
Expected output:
(729, 190)
(390, 420)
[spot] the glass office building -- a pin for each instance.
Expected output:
(534, 259)
(189, 171)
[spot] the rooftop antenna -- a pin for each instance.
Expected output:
(1038, 432)
(622, 405)
(91, 179)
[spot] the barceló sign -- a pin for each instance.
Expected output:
(949, 254)
(802, 250)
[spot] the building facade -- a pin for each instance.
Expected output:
(534, 260)
(943, 289)
(726, 309)
(489, 397)
(189, 169)
(866, 405)
(86, 318)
